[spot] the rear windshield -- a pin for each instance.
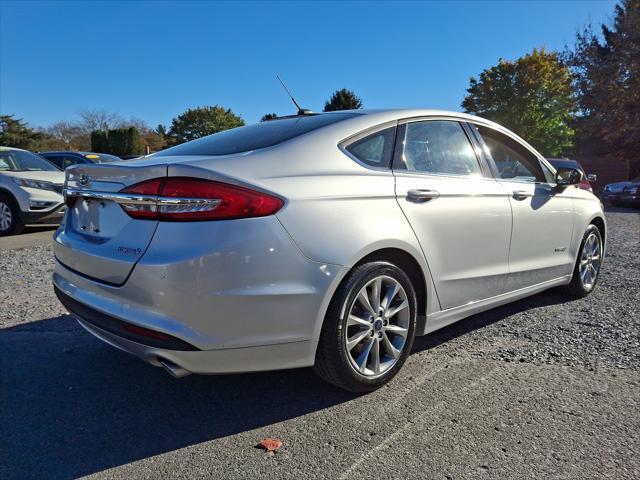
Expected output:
(252, 137)
(101, 157)
(21, 161)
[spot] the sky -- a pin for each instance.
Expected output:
(154, 59)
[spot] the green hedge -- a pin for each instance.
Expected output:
(119, 141)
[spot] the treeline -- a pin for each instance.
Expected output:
(583, 100)
(106, 132)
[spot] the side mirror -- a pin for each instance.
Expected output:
(592, 177)
(568, 176)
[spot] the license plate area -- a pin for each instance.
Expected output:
(97, 219)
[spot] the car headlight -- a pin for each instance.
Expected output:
(27, 182)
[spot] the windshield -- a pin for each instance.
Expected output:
(252, 137)
(20, 161)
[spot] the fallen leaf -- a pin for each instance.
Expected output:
(270, 444)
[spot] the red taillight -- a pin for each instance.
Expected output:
(145, 332)
(188, 199)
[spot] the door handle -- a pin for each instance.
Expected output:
(520, 195)
(418, 195)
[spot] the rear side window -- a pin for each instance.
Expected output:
(253, 137)
(55, 159)
(438, 147)
(513, 161)
(375, 149)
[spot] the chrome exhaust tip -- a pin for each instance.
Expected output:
(175, 370)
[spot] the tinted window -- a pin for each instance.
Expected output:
(68, 161)
(252, 137)
(19, 160)
(513, 160)
(55, 159)
(438, 146)
(375, 149)
(101, 157)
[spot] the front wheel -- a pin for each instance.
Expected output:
(587, 267)
(368, 329)
(10, 222)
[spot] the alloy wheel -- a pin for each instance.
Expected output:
(5, 217)
(590, 260)
(377, 326)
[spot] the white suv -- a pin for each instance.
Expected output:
(30, 190)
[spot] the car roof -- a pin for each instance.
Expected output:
(61, 152)
(13, 148)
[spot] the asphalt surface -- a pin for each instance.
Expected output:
(546, 387)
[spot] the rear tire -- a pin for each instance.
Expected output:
(369, 328)
(10, 222)
(587, 268)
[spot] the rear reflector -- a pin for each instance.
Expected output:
(189, 199)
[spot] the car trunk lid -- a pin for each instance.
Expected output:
(97, 238)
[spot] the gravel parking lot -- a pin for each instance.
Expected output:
(543, 388)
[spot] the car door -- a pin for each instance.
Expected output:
(543, 214)
(459, 213)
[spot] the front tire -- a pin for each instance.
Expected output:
(10, 223)
(369, 328)
(587, 268)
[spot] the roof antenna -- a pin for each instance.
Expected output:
(301, 111)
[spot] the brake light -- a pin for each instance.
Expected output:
(190, 199)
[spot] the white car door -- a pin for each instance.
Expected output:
(543, 215)
(459, 213)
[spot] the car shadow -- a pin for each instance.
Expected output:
(39, 228)
(550, 297)
(71, 405)
(613, 209)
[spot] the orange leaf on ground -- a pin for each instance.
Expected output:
(270, 444)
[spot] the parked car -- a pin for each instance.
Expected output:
(612, 192)
(630, 196)
(326, 240)
(585, 183)
(30, 190)
(64, 159)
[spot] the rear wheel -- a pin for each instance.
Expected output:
(10, 222)
(369, 328)
(587, 267)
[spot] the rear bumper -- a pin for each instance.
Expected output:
(245, 300)
(230, 360)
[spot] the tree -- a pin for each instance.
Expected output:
(99, 141)
(342, 100)
(15, 133)
(606, 73)
(97, 119)
(117, 141)
(202, 121)
(532, 96)
(66, 136)
(268, 116)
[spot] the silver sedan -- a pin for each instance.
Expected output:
(325, 240)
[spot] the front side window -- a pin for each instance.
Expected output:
(438, 147)
(375, 149)
(513, 161)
